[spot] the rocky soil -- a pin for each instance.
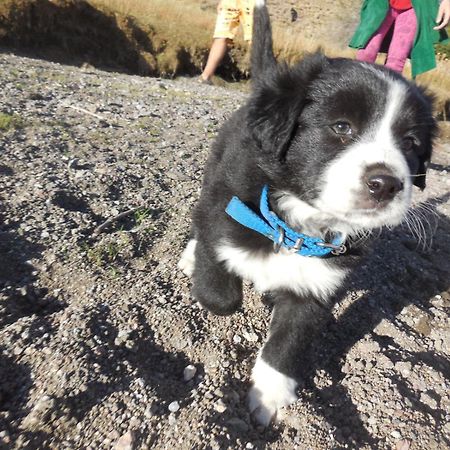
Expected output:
(101, 343)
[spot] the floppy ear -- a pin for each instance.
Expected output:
(420, 178)
(431, 132)
(277, 101)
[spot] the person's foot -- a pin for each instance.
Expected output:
(202, 80)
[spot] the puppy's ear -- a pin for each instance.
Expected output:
(427, 118)
(277, 101)
(420, 177)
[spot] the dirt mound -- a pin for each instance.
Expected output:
(75, 32)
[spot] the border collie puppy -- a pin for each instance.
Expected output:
(322, 153)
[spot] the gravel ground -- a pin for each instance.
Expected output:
(101, 344)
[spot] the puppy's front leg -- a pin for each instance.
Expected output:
(295, 321)
(218, 290)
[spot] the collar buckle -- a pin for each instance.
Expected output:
(336, 249)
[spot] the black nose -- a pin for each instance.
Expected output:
(384, 187)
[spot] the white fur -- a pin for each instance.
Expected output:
(309, 219)
(300, 274)
(187, 260)
(343, 176)
(271, 391)
(259, 3)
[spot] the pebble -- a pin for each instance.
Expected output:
(172, 420)
(220, 406)
(125, 442)
(396, 434)
(189, 372)
(174, 406)
(428, 400)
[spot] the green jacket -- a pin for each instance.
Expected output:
(423, 58)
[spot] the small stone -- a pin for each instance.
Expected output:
(220, 406)
(423, 325)
(428, 400)
(174, 407)
(403, 367)
(396, 434)
(125, 442)
(402, 445)
(250, 336)
(172, 420)
(372, 420)
(189, 372)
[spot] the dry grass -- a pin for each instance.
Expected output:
(184, 22)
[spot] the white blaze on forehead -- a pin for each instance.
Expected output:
(344, 176)
(259, 3)
(384, 129)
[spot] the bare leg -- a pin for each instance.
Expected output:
(216, 54)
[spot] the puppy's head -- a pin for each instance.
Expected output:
(342, 142)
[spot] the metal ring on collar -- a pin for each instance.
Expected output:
(336, 249)
(277, 245)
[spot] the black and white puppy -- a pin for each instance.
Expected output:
(340, 144)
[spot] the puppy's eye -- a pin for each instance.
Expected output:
(342, 128)
(408, 143)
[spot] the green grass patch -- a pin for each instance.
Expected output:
(10, 121)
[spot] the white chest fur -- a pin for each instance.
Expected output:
(282, 270)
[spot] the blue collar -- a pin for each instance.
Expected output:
(271, 226)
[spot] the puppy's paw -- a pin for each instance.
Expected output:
(271, 391)
(187, 260)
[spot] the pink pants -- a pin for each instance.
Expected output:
(405, 26)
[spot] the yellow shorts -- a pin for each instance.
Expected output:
(232, 13)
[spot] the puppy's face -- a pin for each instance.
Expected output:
(361, 139)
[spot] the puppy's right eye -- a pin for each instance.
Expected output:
(342, 128)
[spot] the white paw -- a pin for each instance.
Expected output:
(271, 391)
(187, 260)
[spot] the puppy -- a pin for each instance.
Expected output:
(322, 153)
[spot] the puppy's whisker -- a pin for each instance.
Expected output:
(422, 222)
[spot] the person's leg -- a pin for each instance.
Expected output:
(216, 54)
(370, 52)
(226, 27)
(402, 40)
